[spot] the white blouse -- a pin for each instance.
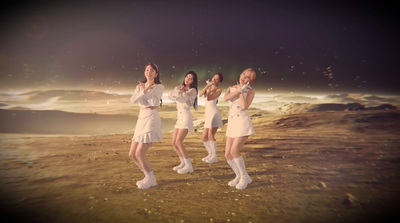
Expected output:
(183, 99)
(149, 99)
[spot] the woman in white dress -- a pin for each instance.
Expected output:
(185, 96)
(148, 127)
(239, 127)
(212, 117)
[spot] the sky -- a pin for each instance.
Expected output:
(294, 46)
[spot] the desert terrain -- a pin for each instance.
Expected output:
(64, 158)
(329, 166)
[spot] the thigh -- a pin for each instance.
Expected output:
(174, 135)
(228, 145)
(133, 147)
(142, 148)
(181, 135)
(212, 132)
(238, 143)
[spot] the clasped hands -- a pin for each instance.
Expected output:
(146, 86)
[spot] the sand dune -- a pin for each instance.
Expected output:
(340, 166)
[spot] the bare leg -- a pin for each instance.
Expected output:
(188, 168)
(205, 135)
(179, 142)
(175, 145)
(149, 180)
(141, 155)
(237, 146)
(211, 133)
(175, 142)
(228, 146)
(132, 154)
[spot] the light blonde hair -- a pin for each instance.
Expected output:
(253, 77)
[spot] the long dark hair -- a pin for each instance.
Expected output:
(157, 79)
(193, 85)
(155, 67)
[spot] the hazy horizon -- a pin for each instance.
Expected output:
(294, 46)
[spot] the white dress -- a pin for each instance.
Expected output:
(148, 126)
(239, 121)
(184, 101)
(212, 117)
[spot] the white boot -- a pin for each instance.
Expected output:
(180, 166)
(188, 168)
(207, 145)
(245, 179)
(213, 148)
(144, 179)
(150, 182)
(235, 169)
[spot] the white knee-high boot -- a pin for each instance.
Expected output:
(188, 168)
(213, 148)
(181, 165)
(245, 179)
(235, 169)
(150, 182)
(207, 146)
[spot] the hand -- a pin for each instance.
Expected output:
(142, 85)
(209, 83)
(181, 88)
(149, 85)
(245, 87)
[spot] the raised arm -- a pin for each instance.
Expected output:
(246, 102)
(230, 95)
(215, 95)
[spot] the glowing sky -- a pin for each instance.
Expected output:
(303, 46)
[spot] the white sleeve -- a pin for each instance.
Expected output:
(173, 94)
(137, 95)
(188, 97)
(150, 98)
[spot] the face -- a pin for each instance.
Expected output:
(150, 73)
(189, 79)
(246, 77)
(215, 79)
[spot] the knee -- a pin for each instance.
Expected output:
(178, 144)
(228, 154)
(175, 143)
(132, 155)
(210, 136)
(235, 153)
(139, 154)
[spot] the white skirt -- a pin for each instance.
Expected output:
(239, 124)
(184, 119)
(212, 118)
(148, 127)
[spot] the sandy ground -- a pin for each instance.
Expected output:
(311, 167)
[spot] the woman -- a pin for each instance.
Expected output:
(239, 127)
(148, 127)
(185, 96)
(213, 118)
